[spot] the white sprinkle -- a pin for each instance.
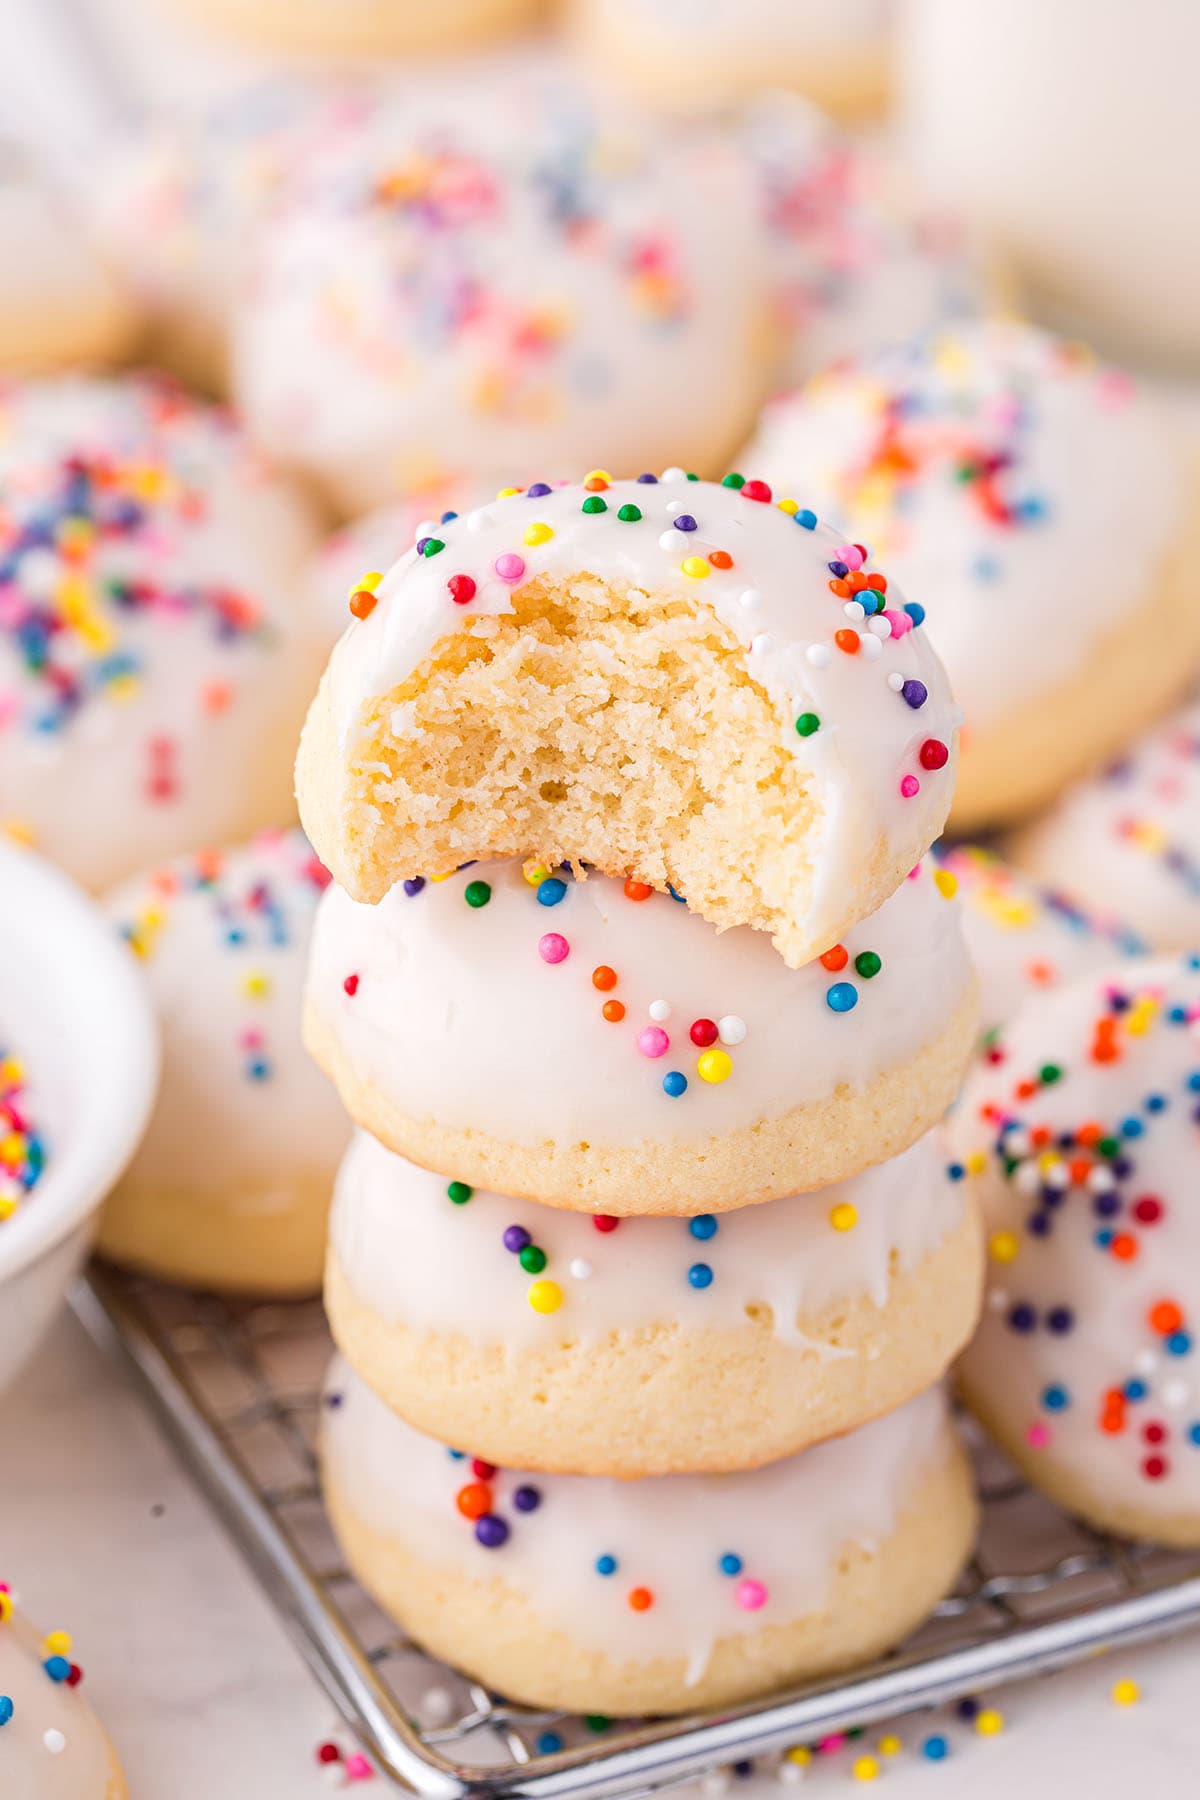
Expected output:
(731, 1029)
(790, 1774)
(895, 681)
(714, 1784)
(479, 520)
(1176, 1394)
(1145, 1362)
(750, 599)
(673, 540)
(673, 475)
(426, 528)
(660, 1011)
(998, 1300)
(1027, 1178)
(675, 504)
(580, 1268)
(869, 646)
(818, 656)
(760, 645)
(880, 626)
(855, 611)
(54, 1741)
(437, 1705)
(1058, 1176)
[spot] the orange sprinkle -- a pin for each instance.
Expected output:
(1025, 1089)
(1080, 1170)
(363, 603)
(596, 482)
(474, 1500)
(1165, 1317)
(841, 588)
(1090, 1134)
(847, 641)
(878, 582)
(856, 581)
(613, 1011)
(1123, 1247)
(720, 559)
(604, 978)
(835, 959)
(216, 697)
(641, 1599)
(1040, 1135)
(637, 890)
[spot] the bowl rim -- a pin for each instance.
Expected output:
(41, 909)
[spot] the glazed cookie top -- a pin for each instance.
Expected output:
(146, 557)
(500, 275)
(861, 699)
(223, 937)
(992, 470)
(22, 1146)
(51, 1747)
(357, 556)
(858, 260)
(665, 1566)
(441, 1256)
(1081, 1127)
(1134, 832)
(1024, 938)
(521, 1002)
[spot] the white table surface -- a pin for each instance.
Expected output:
(205, 1698)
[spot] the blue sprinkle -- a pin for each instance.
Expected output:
(674, 1083)
(1194, 1434)
(551, 891)
(703, 1226)
(548, 1743)
(700, 1275)
(956, 1171)
(842, 997)
(607, 1565)
(449, 517)
(1178, 1344)
(57, 1668)
(935, 1748)
(6, 1709)
(1135, 1389)
(676, 896)
(1055, 1398)
(915, 611)
(730, 1564)
(457, 1455)
(806, 518)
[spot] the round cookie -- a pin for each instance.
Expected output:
(1024, 938)
(502, 275)
(337, 28)
(858, 259)
(51, 1746)
(692, 683)
(1131, 835)
(231, 1186)
(1040, 506)
(689, 57)
(60, 305)
(1081, 1126)
(154, 666)
(597, 1047)
(1086, 183)
(642, 1346)
(663, 1595)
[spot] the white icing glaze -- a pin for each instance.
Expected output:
(223, 938)
(1075, 501)
(422, 1260)
(866, 753)
(1024, 938)
(1095, 1266)
(456, 1017)
(1130, 837)
(152, 671)
(786, 1522)
(496, 278)
(34, 1763)
(370, 545)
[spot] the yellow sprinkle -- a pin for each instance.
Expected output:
(714, 1065)
(696, 566)
(507, 493)
(976, 1162)
(148, 483)
(7, 1209)
(257, 985)
(1126, 1693)
(58, 1643)
(539, 533)
(535, 872)
(788, 506)
(1003, 1246)
(12, 1149)
(370, 582)
(989, 1723)
(801, 1754)
(20, 831)
(123, 688)
(864, 1769)
(596, 475)
(890, 1745)
(946, 883)
(12, 1071)
(545, 1296)
(844, 1217)
(6, 1608)
(445, 876)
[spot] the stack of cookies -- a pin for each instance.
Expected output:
(647, 1261)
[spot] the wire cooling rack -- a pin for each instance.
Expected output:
(237, 1386)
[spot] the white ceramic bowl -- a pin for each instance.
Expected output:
(74, 1009)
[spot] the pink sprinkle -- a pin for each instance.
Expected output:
(829, 1746)
(653, 1041)
(1038, 1435)
(357, 1768)
(510, 566)
(750, 1595)
(899, 620)
(553, 948)
(251, 1038)
(851, 555)
(909, 786)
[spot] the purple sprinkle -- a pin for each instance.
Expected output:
(516, 1239)
(491, 1531)
(915, 692)
(537, 490)
(414, 886)
(527, 1499)
(421, 543)
(839, 569)
(684, 522)
(653, 479)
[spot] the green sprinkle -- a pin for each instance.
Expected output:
(868, 964)
(871, 599)
(532, 1260)
(1049, 1073)
(432, 546)
(459, 1192)
(596, 1721)
(807, 723)
(594, 504)
(734, 480)
(477, 893)
(1109, 1146)
(630, 513)
(692, 476)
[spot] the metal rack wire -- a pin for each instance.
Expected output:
(237, 1387)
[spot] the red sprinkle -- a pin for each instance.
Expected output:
(604, 1222)
(755, 490)
(462, 589)
(351, 985)
(934, 754)
(703, 1032)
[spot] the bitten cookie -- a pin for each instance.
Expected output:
(154, 664)
(51, 1746)
(232, 1183)
(1024, 938)
(635, 1346)
(333, 28)
(697, 685)
(1130, 837)
(501, 276)
(697, 56)
(1042, 507)
(1082, 1129)
(662, 1595)
(596, 1046)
